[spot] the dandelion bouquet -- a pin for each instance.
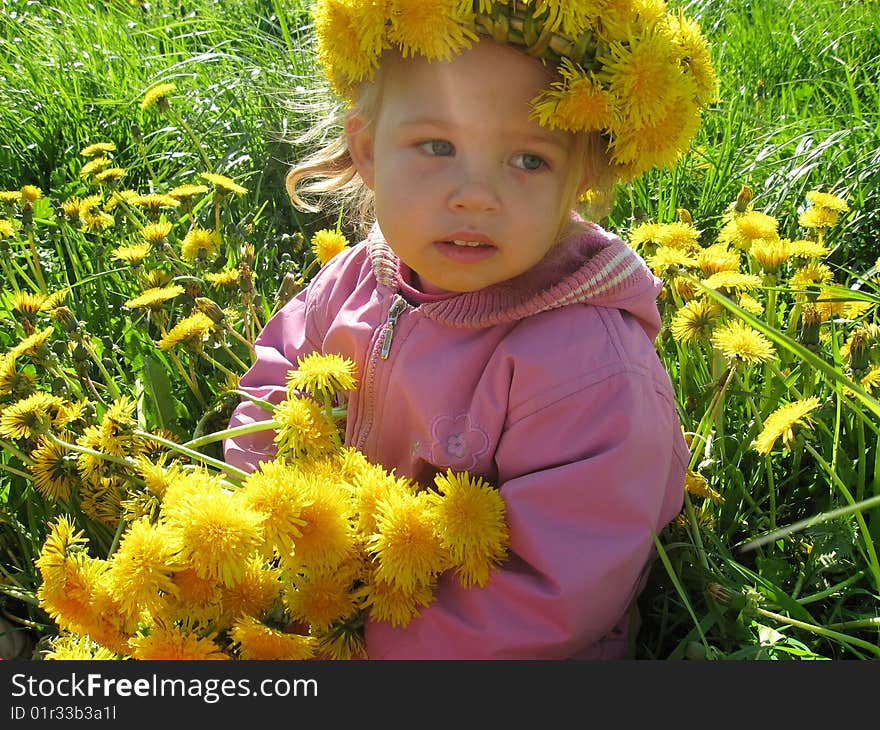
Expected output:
(286, 562)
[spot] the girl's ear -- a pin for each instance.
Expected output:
(359, 138)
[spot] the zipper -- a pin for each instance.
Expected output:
(380, 351)
(397, 308)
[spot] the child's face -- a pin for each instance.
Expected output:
(468, 190)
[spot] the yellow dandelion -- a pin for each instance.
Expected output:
(389, 602)
(302, 428)
(696, 484)
(644, 76)
(576, 102)
(321, 597)
(155, 201)
(818, 218)
(732, 280)
(187, 191)
(350, 39)
(680, 235)
(327, 537)
(782, 423)
(469, 517)
(319, 374)
(157, 95)
(30, 193)
(7, 228)
(718, 257)
(221, 182)
(666, 259)
(156, 233)
(694, 321)
(31, 416)
(154, 298)
(54, 468)
(770, 254)
(645, 236)
(803, 249)
(10, 196)
(368, 485)
(96, 222)
(871, 380)
(751, 226)
(226, 277)
(70, 208)
(693, 52)
(164, 643)
(141, 569)
(200, 244)
(327, 243)
(813, 274)
(66, 592)
(195, 599)
(405, 546)
(737, 341)
(73, 647)
(213, 531)
(272, 492)
(111, 174)
(749, 303)
(254, 595)
(123, 197)
(101, 498)
(33, 345)
(342, 641)
(92, 167)
(98, 149)
(827, 200)
(27, 303)
(256, 641)
(13, 382)
(132, 255)
(434, 29)
(658, 143)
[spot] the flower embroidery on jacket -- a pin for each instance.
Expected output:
(458, 442)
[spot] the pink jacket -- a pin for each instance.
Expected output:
(548, 386)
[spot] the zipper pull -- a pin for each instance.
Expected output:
(397, 308)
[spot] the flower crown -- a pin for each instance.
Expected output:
(628, 69)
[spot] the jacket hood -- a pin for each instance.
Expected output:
(590, 266)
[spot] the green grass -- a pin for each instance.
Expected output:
(782, 566)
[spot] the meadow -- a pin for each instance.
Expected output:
(145, 236)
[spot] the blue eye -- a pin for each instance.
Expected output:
(438, 148)
(525, 161)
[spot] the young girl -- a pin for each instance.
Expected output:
(494, 330)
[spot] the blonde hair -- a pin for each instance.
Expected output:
(329, 172)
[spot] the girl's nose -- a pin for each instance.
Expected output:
(476, 190)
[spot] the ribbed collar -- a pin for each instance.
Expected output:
(591, 266)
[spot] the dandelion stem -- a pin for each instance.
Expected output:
(181, 449)
(828, 592)
(247, 428)
(217, 365)
(192, 386)
(117, 536)
(10, 276)
(820, 630)
(238, 361)
(182, 123)
(121, 460)
(20, 455)
(13, 470)
(35, 263)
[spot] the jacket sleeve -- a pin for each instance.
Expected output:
(581, 530)
(290, 333)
